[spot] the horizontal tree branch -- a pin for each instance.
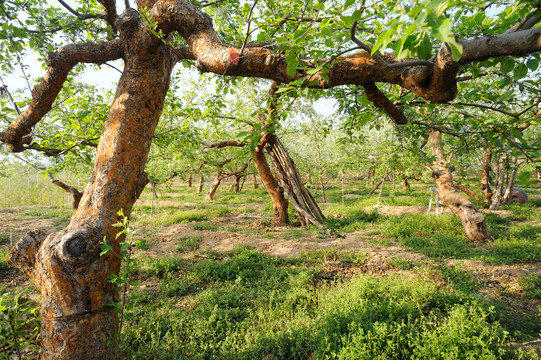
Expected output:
(222, 144)
(436, 83)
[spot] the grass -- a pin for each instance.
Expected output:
(188, 243)
(172, 216)
(247, 305)
(244, 304)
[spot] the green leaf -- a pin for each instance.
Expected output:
(348, 3)
(532, 64)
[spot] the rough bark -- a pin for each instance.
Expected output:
(472, 220)
(66, 266)
(276, 192)
(406, 185)
(377, 186)
(291, 181)
(465, 190)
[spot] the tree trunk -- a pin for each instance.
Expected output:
(291, 181)
(235, 186)
(256, 184)
(201, 184)
(323, 197)
(76, 320)
(472, 220)
(212, 191)
(279, 202)
(376, 186)
(406, 185)
(497, 199)
(508, 195)
(486, 179)
(189, 181)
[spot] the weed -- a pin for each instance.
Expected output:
(20, 326)
(205, 226)
(335, 254)
(531, 286)
(400, 263)
(188, 243)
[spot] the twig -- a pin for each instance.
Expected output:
(248, 30)
(379, 59)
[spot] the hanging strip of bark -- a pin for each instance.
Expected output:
(291, 182)
(472, 220)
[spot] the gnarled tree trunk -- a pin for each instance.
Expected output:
(472, 220)
(66, 266)
(212, 191)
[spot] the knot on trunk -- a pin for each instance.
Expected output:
(76, 243)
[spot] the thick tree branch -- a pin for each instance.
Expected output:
(382, 102)
(434, 83)
(43, 95)
(222, 144)
(77, 195)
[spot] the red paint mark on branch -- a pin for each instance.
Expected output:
(234, 56)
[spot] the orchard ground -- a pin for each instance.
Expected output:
(219, 281)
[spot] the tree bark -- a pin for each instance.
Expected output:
(256, 184)
(66, 266)
(279, 202)
(497, 199)
(406, 185)
(508, 195)
(189, 180)
(201, 184)
(472, 220)
(376, 186)
(212, 191)
(486, 179)
(77, 195)
(291, 181)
